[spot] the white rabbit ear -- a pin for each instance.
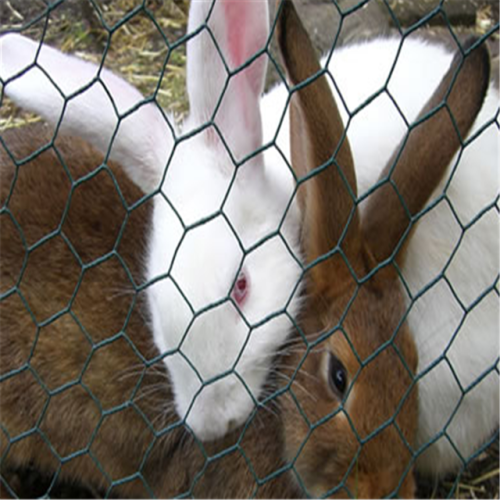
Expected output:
(235, 31)
(87, 103)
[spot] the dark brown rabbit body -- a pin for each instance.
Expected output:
(61, 351)
(75, 390)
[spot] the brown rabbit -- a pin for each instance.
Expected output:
(350, 418)
(103, 402)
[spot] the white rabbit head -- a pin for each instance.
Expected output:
(225, 237)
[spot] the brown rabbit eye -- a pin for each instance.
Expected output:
(337, 376)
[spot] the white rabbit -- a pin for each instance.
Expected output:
(456, 267)
(224, 259)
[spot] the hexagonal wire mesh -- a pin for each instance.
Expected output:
(85, 392)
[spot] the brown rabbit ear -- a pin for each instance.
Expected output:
(429, 148)
(327, 197)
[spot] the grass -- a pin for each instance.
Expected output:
(139, 51)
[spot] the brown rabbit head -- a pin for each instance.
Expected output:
(350, 417)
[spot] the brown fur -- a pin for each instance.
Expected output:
(321, 134)
(361, 446)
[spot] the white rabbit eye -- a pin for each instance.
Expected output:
(337, 376)
(240, 289)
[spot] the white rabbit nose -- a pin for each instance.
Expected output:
(216, 409)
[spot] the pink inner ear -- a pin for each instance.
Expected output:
(244, 39)
(245, 36)
(237, 21)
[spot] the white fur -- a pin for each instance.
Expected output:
(436, 316)
(209, 257)
(144, 139)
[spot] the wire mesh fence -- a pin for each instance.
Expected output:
(272, 297)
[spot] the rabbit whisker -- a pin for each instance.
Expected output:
(301, 371)
(294, 383)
